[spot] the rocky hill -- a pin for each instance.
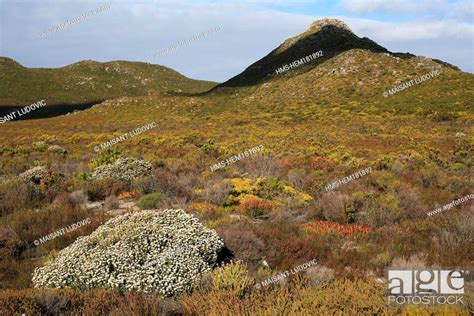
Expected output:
(331, 37)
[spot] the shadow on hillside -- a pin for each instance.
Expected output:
(48, 110)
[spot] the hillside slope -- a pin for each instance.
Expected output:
(89, 81)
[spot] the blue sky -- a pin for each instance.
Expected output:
(136, 30)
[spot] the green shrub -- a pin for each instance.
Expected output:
(145, 185)
(270, 188)
(209, 147)
(150, 201)
(384, 163)
(232, 276)
(108, 156)
(432, 176)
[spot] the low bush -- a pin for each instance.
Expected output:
(319, 275)
(319, 228)
(244, 243)
(95, 302)
(261, 166)
(123, 169)
(341, 297)
(78, 197)
(255, 207)
(106, 157)
(98, 190)
(216, 191)
(43, 182)
(177, 181)
(233, 277)
(297, 177)
(145, 185)
(15, 195)
(150, 201)
(333, 205)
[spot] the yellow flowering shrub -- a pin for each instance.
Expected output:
(243, 185)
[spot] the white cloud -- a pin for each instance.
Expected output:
(447, 40)
(412, 31)
(464, 10)
(394, 6)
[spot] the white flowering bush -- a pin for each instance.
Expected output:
(152, 251)
(40, 179)
(34, 175)
(123, 169)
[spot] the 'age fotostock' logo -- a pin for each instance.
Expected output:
(426, 286)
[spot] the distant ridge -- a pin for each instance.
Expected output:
(88, 81)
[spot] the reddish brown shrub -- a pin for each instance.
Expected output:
(321, 163)
(333, 206)
(90, 303)
(320, 228)
(14, 196)
(216, 190)
(411, 206)
(255, 207)
(99, 189)
(176, 182)
(286, 244)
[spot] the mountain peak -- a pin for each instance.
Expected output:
(331, 37)
(318, 25)
(328, 26)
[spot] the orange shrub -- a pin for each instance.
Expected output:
(320, 163)
(255, 207)
(320, 228)
(127, 195)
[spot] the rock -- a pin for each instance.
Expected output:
(319, 24)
